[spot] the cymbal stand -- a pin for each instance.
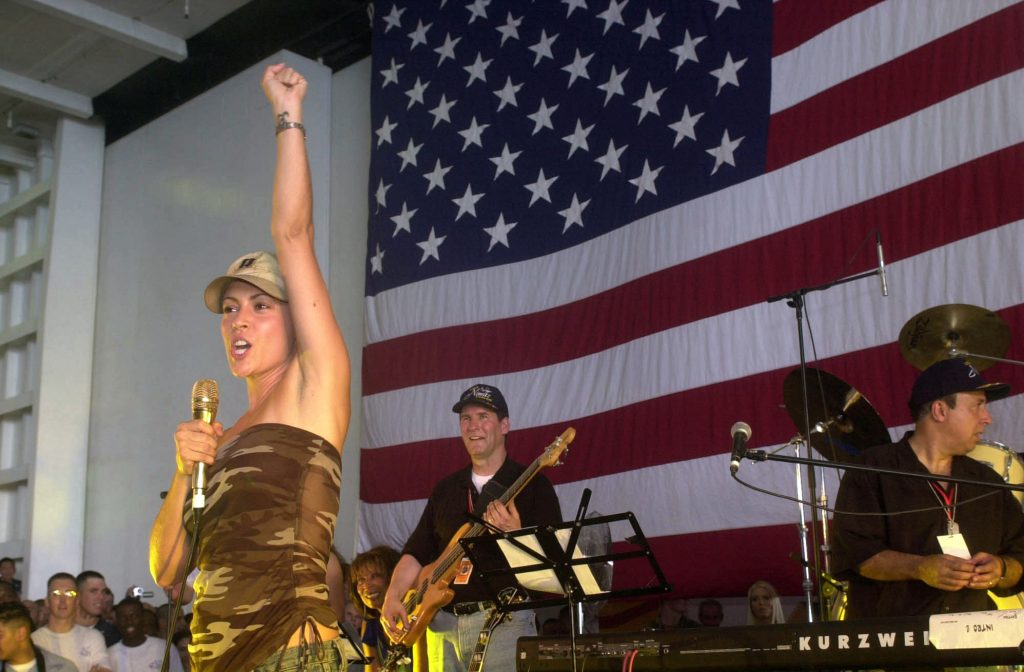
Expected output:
(955, 352)
(808, 583)
(795, 300)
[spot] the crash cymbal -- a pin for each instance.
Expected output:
(931, 334)
(843, 422)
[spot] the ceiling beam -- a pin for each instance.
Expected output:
(47, 95)
(113, 25)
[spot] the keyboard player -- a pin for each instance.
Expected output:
(959, 541)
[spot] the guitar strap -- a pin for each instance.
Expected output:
(491, 491)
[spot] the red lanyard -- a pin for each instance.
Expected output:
(947, 498)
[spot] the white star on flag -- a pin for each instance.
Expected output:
(467, 202)
(578, 138)
(408, 155)
(687, 51)
(419, 36)
(542, 117)
(539, 189)
(403, 220)
(578, 67)
(391, 73)
(510, 31)
(435, 178)
(649, 103)
(644, 182)
(447, 50)
(507, 94)
(724, 152)
(393, 19)
(727, 73)
(610, 160)
(430, 246)
(686, 126)
(649, 29)
(377, 261)
(574, 213)
(415, 94)
(543, 47)
(613, 87)
(473, 134)
(384, 132)
(499, 232)
(503, 163)
(478, 70)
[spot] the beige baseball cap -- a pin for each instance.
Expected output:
(259, 269)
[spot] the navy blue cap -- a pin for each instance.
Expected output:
(949, 376)
(487, 396)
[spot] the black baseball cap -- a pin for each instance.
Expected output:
(949, 376)
(487, 396)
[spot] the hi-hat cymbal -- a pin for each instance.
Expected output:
(930, 335)
(843, 422)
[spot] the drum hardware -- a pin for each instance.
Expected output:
(796, 299)
(955, 330)
(843, 421)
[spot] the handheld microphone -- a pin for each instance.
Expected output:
(881, 263)
(204, 407)
(740, 435)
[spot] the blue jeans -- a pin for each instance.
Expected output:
(324, 657)
(451, 640)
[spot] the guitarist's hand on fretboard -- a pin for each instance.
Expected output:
(505, 518)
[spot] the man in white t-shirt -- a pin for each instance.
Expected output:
(136, 652)
(17, 653)
(82, 646)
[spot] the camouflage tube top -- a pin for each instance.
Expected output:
(264, 539)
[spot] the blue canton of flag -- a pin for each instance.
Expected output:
(505, 131)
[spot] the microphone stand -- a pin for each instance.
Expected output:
(795, 300)
(763, 456)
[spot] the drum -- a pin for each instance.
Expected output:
(1007, 464)
(1001, 460)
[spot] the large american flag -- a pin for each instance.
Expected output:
(588, 202)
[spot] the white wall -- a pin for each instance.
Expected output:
(350, 164)
(183, 197)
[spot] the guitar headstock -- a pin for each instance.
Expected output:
(551, 455)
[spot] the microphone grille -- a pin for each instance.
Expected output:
(204, 393)
(742, 428)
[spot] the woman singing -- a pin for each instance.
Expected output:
(274, 477)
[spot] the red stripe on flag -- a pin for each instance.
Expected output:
(918, 79)
(716, 562)
(963, 201)
(796, 21)
(672, 428)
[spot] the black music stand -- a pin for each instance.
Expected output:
(558, 563)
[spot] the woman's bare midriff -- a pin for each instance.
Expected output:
(327, 633)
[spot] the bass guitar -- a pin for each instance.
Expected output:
(432, 589)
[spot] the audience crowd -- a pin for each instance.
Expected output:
(77, 625)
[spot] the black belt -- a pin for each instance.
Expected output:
(467, 608)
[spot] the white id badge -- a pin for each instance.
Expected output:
(955, 545)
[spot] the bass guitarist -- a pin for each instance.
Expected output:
(477, 488)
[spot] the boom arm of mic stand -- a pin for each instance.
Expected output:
(762, 456)
(804, 291)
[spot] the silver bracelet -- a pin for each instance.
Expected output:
(283, 125)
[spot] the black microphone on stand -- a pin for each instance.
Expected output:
(740, 435)
(881, 263)
(204, 407)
